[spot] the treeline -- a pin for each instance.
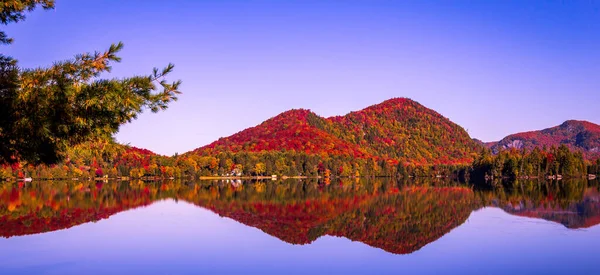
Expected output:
(554, 162)
(97, 160)
(112, 160)
(309, 165)
(292, 163)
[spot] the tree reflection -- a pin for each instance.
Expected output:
(398, 217)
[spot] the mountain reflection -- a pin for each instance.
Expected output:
(397, 217)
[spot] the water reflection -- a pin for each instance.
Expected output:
(572, 203)
(398, 217)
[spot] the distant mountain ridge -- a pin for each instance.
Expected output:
(399, 130)
(578, 135)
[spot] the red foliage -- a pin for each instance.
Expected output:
(398, 130)
(134, 157)
(577, 135)
(99, 172)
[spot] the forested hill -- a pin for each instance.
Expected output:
(398, 130)
(396, 137)
(407, 131)
(293, 130)
(577, 135)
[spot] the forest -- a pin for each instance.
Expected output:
(123, 161)
(553, 162)
(112, 160)
(398, 130)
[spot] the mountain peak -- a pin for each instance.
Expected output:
(397, 102)
(296, 112)
(578, 135)
(398, 130)
(290, 116)
(581, 125)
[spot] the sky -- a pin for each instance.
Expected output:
(493, 67)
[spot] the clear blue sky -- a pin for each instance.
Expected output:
(494, 67)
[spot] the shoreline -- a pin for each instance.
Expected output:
(276, 177)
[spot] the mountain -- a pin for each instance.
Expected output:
(398, 130)
(578, 135)
(291, 130)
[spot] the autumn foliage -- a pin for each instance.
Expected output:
(581, 136)
(398, 137)
(398, 130)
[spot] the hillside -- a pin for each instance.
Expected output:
(396, 137)
(290, 131)
(404, 130)
(578, 135)
(89, 160)
(398, 130)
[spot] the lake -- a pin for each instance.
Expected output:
(377, 226)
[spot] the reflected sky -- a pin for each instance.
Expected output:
(170, 237)
(296, 227)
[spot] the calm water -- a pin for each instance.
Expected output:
(374, 227)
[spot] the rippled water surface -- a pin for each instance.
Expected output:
(371, 227)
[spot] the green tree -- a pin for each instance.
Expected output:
(12, 11)
(45, 111)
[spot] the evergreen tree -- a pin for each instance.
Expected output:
(44, 111)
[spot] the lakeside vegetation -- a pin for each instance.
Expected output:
(537, 163)
(110, 160)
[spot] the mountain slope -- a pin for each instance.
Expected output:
(397, 130)
(578, 135)
(404, 130)
(290, 131)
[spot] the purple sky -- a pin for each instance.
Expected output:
(494, 67)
